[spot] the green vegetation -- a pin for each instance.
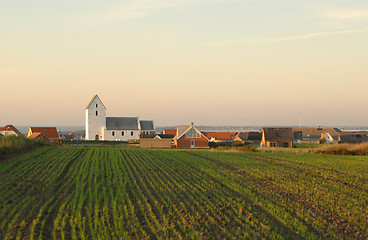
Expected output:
(11, 144)
(120, 193)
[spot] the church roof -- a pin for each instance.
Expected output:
(147, 125)
(122, 123)
(89, 104)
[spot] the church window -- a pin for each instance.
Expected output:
(132, 133)
(96, 105)
(122, 133)
(113, 133)
(96, 113)
(192, 133)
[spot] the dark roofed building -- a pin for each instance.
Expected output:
(122, 123)
(254, 136)
(353, 137)
(164, 136)
(314, 134)
(147, 129)
(277, 137)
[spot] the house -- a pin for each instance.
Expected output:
(10, 130)
(169, 131)
(254, 136)
(39, 136)
(218, 136)
(190, 137)
(240, 137)
(353, 137)
(164, 136)
(277, 137)
(313, 134)
(155, 143)
(147, 129)
(100, 127)
(327, 138)
(50, 132)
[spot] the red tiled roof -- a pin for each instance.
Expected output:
(219, 135)
(10, 128)
(50, 132)
(170, 131)
(38, 135)
(34, 135)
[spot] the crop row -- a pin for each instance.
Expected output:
(112, 193)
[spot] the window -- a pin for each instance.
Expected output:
(96, 113)
(192, 133)
(122, 133)
(131, 133)
(113, 133)
(96, 105)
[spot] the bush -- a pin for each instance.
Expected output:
(9, 144)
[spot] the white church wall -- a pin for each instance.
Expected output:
(118, 136)
(95, 119)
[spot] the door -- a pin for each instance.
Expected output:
(192, 143)
(97, 138)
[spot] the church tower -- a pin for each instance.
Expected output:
(95, 119)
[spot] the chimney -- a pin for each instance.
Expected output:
(191, 124)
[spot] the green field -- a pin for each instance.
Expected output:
(120, 193)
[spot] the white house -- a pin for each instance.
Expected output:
(100, 127)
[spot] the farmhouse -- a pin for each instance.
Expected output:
(277, 137)
(100, 127)
(190, 137)
(10, 130)
(50, 132)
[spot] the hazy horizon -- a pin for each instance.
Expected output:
(212, 62)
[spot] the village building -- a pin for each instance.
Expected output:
(39, 136)
(218, 136)
(313, 135)
(164, 136)
(10, 130)
(169, 131)
(326, 138)
(240, 137)
(102, 128)
(353, 137)
(190, 137)
(277, 137)
(50, 132)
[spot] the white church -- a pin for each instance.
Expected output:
(100, 127)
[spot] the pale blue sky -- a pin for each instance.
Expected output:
(176, 61)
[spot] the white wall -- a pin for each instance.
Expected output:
(118, 136)
(95, 124)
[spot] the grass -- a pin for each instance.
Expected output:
(10, 144)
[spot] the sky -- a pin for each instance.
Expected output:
(211, 62)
